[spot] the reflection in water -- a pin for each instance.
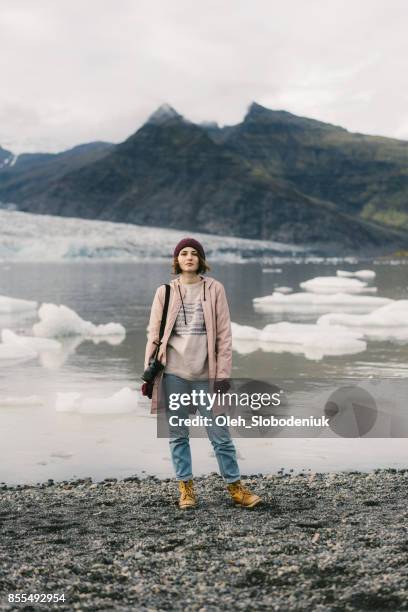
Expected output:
(55, 359)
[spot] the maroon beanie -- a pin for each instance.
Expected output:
(191, 243)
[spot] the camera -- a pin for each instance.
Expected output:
(154, 367)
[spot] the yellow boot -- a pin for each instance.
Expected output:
(243, 496)
(187, 496)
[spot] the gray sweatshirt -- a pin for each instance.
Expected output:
(187, 351)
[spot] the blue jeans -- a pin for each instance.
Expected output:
(179, 441)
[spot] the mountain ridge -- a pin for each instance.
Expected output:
(274, 176)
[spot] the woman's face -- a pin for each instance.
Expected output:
(188, 260)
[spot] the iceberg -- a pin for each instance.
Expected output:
(318, 302)
(59, 321)
(67, 402)
(244, 332)
(36, 344)
(364, 274)
(15, 352)
(312, 340)
(390, 322)
(22, 348)
(245, 338)
(28, 400)
(10, 305)
(283, 289)
(336, 284)
(122, 402)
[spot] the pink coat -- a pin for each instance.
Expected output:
(217, 322)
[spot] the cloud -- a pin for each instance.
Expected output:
(74, 72)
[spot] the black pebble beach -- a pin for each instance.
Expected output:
(319, 542)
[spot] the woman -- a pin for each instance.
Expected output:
(196, 348)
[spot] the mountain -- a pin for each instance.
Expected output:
(274, 176)
(34, 173)
(6, 157)
(362, 175)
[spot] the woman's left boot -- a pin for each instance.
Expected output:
(187, 496)
(243, 496)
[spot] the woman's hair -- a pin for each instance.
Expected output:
(202, 265)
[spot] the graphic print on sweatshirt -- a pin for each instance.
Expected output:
(194, 316)
(187, 351)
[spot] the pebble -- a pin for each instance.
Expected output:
(125, 545)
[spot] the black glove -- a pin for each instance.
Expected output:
(221, 386)
(147, 389)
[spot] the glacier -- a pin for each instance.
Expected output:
(28, 237)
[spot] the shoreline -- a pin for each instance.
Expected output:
(76, 481)
(320, 541)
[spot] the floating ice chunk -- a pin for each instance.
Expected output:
(390, 322)
(336, 284)
(37, 344)
(52, 360)
(16, 352)
(245, 338)
(63, 321)
(121, 402)
(60, 321)
(283, 289)
(272, 270)
(365, 274)
(109, 330)
(67, 402)
(390, 315)
(9, 305)
(28, 400)
(23, 318)
(113, 340)
(295, 302)
(244, 332)
(314, 341)
(124, 401)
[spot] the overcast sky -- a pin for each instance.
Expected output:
(74, 71)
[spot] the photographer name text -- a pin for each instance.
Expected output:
(254, 421)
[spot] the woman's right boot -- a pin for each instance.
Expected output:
(187, 496)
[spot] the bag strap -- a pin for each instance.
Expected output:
(163, 320)
(165, 309)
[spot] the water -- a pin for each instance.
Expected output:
(37, 442)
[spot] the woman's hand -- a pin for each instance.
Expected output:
(221, 386)
(147, 389)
